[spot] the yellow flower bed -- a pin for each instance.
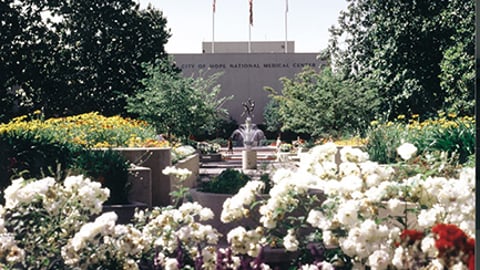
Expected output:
(89, 129)
(354, 141)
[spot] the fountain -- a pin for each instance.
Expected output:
(248, 135)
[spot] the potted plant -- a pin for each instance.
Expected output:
(209, 151)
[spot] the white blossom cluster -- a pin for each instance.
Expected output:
(181, 173)
(104, 241)
(284, 196)
(57, 198)
(244, 241)
(454, 201)
(366, 208)
(170, 229)
(363, 192)
(57, 206)
(180, 152)
(237, 206)
(10, 253)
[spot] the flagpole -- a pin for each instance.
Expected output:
(213, 27)
(250, 23)
(249, 38)
(213, 32)
(286, 16)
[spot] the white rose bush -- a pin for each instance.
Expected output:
(40, 216)
(371, 216)
(354, 215)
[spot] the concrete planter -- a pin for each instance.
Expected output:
(215, 202)
(192, 163)
(156, 159)
(140, 179)
(214, 157)
(124, 212)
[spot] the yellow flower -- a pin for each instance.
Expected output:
(414, 116)
(452, 115)
(401, 116)
(374, 123)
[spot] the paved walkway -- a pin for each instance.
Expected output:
(266, 162)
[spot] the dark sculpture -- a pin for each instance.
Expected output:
(248, 108)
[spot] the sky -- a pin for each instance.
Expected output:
(191, 22)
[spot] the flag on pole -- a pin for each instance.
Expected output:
(213, 5)
(286, 5)
(250, 2)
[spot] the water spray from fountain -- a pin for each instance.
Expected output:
(248, 134)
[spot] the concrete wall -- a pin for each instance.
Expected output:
(246, 74)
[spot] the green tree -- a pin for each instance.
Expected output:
(323, 104)
(457, 66)
(26, 45)
(177, 105)
(70, 57)
(399, 47)
(272, 116)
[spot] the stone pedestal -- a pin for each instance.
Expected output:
(249, 159)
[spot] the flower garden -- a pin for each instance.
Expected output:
(405, 200)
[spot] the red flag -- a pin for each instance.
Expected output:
(251, 11)
(214, 6)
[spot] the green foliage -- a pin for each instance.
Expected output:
(228, 181)
(176, 105)
(409, 52)
(383, 141)
(109, 168)
(322, 104)
(272, 116)
(453, 136)
(35, 148)
(457, 66)
(454, 139)
(30, 155)
(87, 61)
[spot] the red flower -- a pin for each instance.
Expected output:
(471, 262)
(451, 242)
(449, 236)
(411, 236)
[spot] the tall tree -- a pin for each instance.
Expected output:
(26, 45)
(399, 46)
(81, 55)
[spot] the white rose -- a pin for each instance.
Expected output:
(406, 151)
(379, 260)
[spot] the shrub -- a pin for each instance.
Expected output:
(33, 147)
(33, 155)
(445, 133)
(321, 104)
(109, 168)
(176, 105)
(228, 181)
